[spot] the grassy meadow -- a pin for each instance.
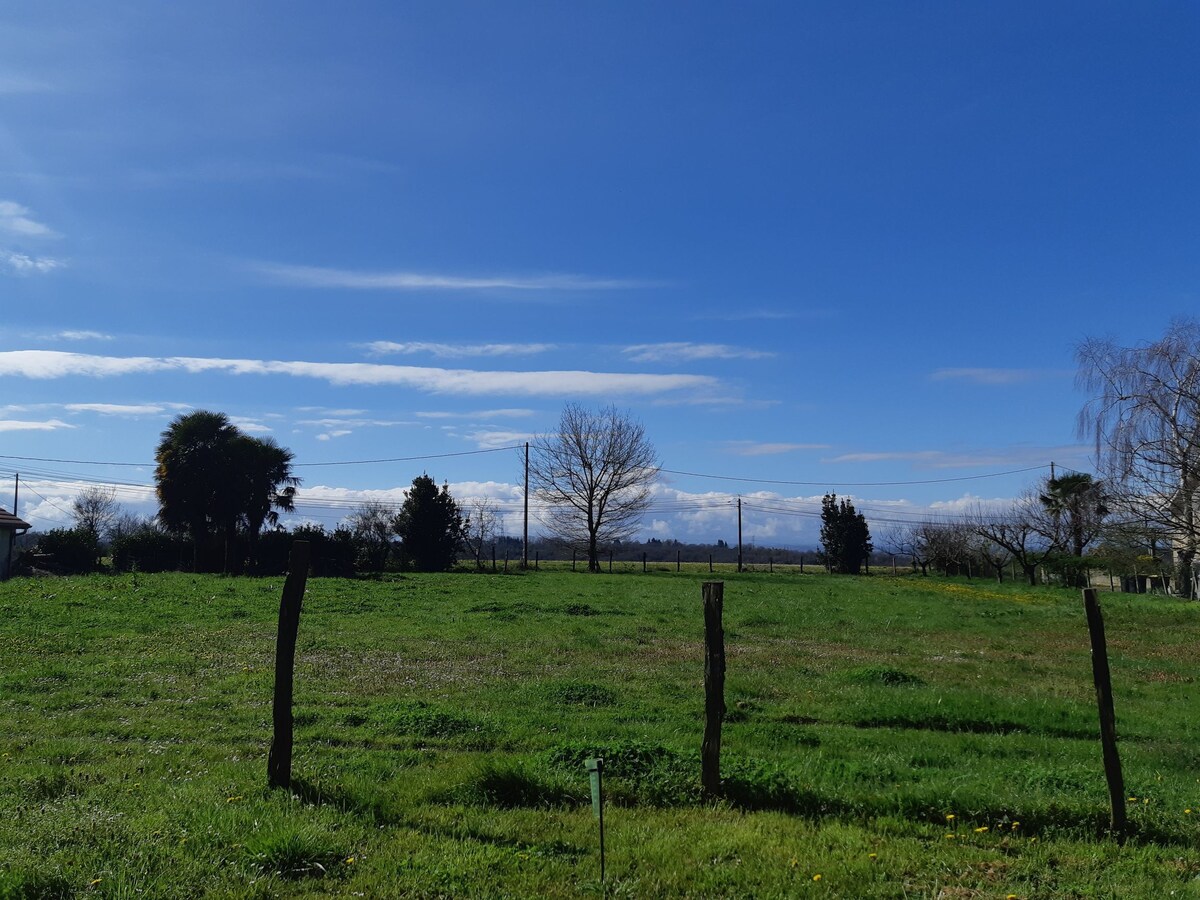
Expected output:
(886, 737)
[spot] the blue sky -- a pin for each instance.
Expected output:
(847, 246)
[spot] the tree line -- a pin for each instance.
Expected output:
(220, 491)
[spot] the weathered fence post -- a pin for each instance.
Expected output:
(572, 559)
(537, 561)
(279, 760)
(678, 560)
(771, 565)
(643, 562)
(710, 564)
(610, 556)
(493, 558)
(1108, 722)
(505, 562)
(714, 687)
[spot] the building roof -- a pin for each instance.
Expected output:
(9, 522)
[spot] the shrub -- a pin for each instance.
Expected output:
(71, 551)
(148, 549)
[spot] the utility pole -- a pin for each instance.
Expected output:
(525, 550)
(739, 534)
(16, 492)
(1051, 470)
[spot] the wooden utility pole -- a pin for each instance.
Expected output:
(739, 534)
(714, 687)
(1108, 721)
(279, 760)
(525, 544)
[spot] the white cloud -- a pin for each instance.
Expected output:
(450, 351)
(22, 425)
(357, 422)
(988, 376)
(492, 440)
(15, 219)
(969, 503)
(479, 414)
(19, 84)
(319, 277)
(117, 409)
(996, 458)
(81, 336)
(684, 351)
(57, 364)
(750, 448)
(24, 264)
(330, 435)
(331, 412)
(252, 426)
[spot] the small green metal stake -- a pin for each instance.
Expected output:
(595, 769)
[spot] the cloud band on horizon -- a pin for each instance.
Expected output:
(47, 364)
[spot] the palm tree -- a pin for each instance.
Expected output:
(192, 475)
(212, 478)
(262, 471)
(1076, 504)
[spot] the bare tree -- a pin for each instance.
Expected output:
(95, 510)
(992, 554)
(1022, 530)
(595, 473)
(481, 525)
(1145, 418)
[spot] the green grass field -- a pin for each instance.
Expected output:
(887, 737)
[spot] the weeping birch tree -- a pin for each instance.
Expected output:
(1144, 417)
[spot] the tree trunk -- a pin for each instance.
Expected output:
(593, 554)
(1030, 573)
(1184, 559)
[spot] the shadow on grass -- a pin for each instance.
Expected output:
(372, 807)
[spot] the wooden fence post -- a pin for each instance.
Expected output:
(1108, 722)
(714, 687)
(643, 562)
(279, 760)
(678, 559)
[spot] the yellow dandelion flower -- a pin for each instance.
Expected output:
(1016, 825)
(872, 856)
(349, 860)
(94, 882)
(1133, 799)
(795, 862)
(981, 829)
(233, 799)
(1187, 812)
(1012, 897)
(949, 837)
(949, 817)
(817, 877)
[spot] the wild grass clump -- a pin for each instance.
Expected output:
(884, 675)
(424, 720)
(510, 784)
(294, 851)
(18, 885)
(581, 693)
